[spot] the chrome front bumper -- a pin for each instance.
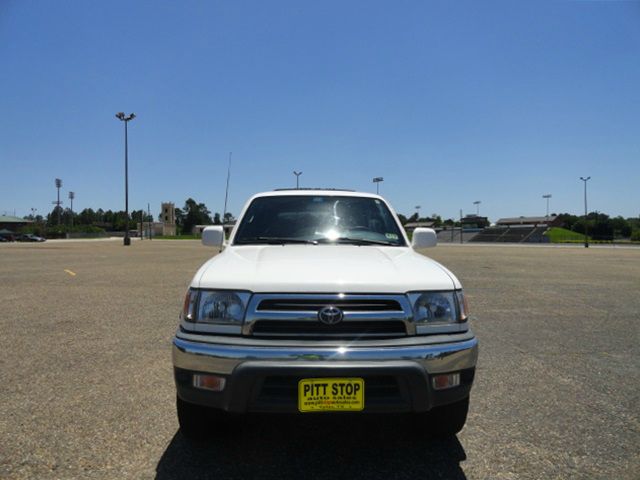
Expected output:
(189, 354)
(247, 364)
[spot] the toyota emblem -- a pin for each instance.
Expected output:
(330, 315)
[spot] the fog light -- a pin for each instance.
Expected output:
(209, 382)
(448, 380)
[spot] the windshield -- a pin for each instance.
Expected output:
(318, 219)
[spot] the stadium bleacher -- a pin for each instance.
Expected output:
(517, 230)
(453, 235)
(506, 230)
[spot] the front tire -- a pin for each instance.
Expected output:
(193, 419)
(198, 422)
(447, 420)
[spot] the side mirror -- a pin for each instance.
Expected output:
(424, 238)
(213, 236)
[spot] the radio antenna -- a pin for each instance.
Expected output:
(226, 193)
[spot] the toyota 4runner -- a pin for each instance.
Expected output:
(317, 303)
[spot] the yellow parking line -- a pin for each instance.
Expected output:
(73, 274)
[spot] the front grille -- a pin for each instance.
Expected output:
(313, 305)
(286, 316)
(350, 329)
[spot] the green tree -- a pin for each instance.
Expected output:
(568, 220)
(194, 214)
(52, 218)
(87, 217)
(621, 227)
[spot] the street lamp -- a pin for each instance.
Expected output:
(586, 238)
(126, 119)
(71, 197)
(57, 203)
(297, 174)
(377, 181)
(477, 204)
(547, 196)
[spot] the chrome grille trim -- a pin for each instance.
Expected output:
(345, 304)
(304, 308)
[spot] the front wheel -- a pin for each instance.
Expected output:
(198, 422)
(446, 420)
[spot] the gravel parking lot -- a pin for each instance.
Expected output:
(87, 387)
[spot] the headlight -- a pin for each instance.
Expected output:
(438, 307)
(215, 306)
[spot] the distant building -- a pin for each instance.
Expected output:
(411, 226)
(13, 224)
(474, 221)
(168, 218)
(197, 229)
(153, 229)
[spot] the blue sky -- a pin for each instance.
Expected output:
(450, 102)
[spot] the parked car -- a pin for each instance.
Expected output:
(29, 237)
(319, 303)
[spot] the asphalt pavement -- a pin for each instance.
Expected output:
(87, 388)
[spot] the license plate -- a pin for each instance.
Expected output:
(331, 394)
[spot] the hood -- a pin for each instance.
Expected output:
(323, 269)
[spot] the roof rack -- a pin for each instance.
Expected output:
(317, 188)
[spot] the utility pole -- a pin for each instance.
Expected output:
(297, 174)
(72, 195)
(586, 237)
(126, 119)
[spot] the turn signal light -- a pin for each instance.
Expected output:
(209, 382)
(449, 380)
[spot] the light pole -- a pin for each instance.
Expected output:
(477, 204)
(377, 181)
(586, 238)
(149, 219)
(418, 207)
(547, 196)
(297, 174)
(126, 119)
(72, 195)
(57, 203)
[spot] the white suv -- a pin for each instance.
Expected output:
(318, 302)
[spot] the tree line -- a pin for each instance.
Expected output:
(62, 220)
(601, 226)
(598, 225)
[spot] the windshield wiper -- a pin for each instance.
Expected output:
(356, 241)
(275, 240)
